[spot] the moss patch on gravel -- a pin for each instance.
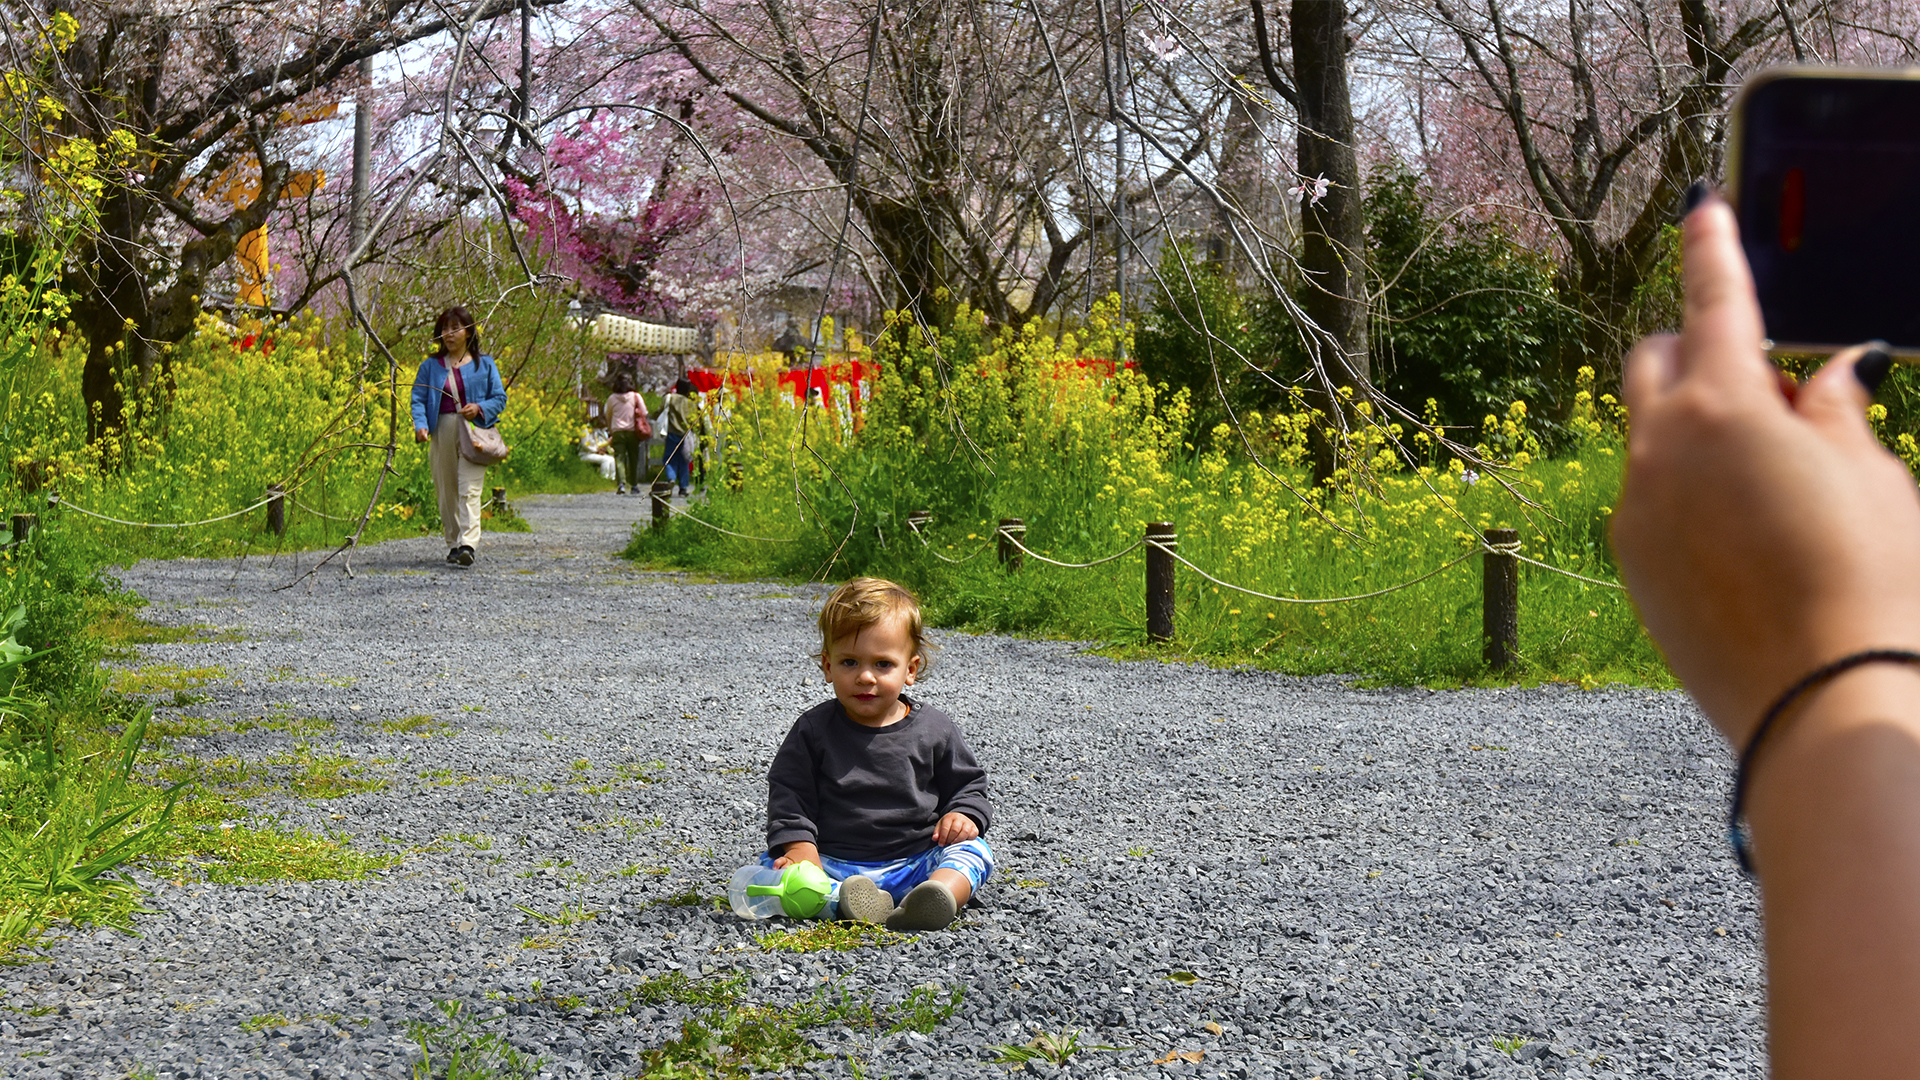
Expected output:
(835, 936)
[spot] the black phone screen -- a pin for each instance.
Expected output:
(1828, 183)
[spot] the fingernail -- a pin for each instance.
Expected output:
(1872, 367)
(1697, 193)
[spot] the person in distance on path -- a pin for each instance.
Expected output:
(627, 427)
(876, 788)
(1766, 534)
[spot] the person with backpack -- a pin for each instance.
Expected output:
(680, 416)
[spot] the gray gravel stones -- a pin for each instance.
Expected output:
(1281, 877)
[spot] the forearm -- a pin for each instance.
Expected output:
(802, 851)
(1835, 812)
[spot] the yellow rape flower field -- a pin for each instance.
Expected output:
(976, 425)
(237, 409)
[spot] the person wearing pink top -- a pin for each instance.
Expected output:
(627, 428)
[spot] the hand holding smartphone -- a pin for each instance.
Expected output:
(1824, 174)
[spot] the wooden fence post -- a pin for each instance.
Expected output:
(1010, 529)
(1160, 579)
(1500, 601)
(23, 526)
(277, 509)
(661, 491)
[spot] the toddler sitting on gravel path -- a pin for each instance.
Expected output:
(877, 789)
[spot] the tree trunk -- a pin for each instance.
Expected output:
(1333, 228)
(112, 311)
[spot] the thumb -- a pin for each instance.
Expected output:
(1837, 396)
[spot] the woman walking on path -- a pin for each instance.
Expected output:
(455, 385)
(627, 426)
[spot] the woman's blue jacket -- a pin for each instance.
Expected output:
(481, 382)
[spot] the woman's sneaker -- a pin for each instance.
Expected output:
(453, 556)
(929, 906)
(863, 901)
(462, 556)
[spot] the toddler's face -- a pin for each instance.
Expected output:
(869, 669)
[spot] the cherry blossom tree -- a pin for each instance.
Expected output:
(197, 107)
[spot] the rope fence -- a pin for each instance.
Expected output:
(55, 501)
(663, 509)
(1499, 548)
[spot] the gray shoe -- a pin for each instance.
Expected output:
(863, 901)
(929, 906)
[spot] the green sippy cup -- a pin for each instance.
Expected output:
(802, 890)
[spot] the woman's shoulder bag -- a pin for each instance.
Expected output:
(642, 424)
(480, 445)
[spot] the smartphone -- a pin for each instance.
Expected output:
(1824, 173)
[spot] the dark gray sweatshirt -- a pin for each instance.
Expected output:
(868, 794)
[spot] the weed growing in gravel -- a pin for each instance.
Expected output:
(287, 724)
(1044, 1046)
(164, 678)
(1509, 1044)
(213, 841)
(689, 898)
(424, 726)
(641, 772)
(734, 1040)
(460, 1049)
(264, 1020)
(677, 986)
(326, 776)
(835, 936)
(569, 915)
(119, 630)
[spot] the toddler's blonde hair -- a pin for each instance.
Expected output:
(865, 602)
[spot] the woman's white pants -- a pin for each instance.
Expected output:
(458, 482)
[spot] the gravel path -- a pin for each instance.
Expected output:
(1272, 876)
